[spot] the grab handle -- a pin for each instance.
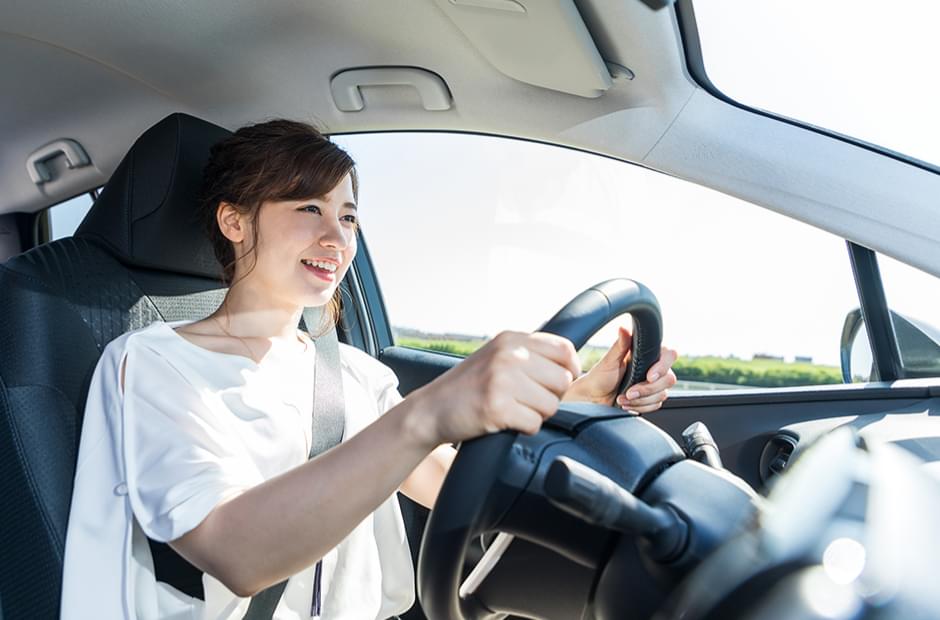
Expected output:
(75, 157)
(348, 98)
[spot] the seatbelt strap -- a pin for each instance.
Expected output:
(329, 406)
(329, 423)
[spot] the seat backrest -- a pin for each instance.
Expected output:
(138, 256)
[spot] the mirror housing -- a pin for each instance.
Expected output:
(919, 345)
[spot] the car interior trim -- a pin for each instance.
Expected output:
(519, 43)
(357, 326)
(802, 394)
(875, 313)
(379, 329)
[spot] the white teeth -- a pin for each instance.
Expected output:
(321, 264)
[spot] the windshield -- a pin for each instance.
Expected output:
(862, 69)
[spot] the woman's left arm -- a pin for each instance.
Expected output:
(598, 385)
(425, 481)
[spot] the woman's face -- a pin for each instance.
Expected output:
(304, 247)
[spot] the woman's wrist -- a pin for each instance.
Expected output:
(418, 424)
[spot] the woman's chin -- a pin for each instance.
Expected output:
(316, 300)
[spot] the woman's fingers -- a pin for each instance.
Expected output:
(523, 376)
(647, 409)
(537, 384)
(537, 398)
(640, 390)
(548, 374)
(653, 399)
(649, 395)
(667, 357)
(557, 349)
(528, 421)
(617, 355)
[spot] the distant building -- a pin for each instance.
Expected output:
(803, 359)
(767, 357)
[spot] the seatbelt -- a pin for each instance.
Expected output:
(329, 423)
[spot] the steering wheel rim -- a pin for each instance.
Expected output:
(462, 510)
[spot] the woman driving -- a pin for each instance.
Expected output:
(216, 413)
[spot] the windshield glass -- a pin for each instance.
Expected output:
(862, 69)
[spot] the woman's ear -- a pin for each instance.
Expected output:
(231, 222)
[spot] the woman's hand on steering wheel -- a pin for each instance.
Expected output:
(515, 381)
(599, 384)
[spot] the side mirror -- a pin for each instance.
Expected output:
(855, 349)
(919, 345)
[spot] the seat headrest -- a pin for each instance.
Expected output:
(146, 213)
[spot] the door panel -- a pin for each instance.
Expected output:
(415, 367)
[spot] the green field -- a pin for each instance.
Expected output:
(728, 371)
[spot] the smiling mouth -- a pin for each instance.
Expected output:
(325, 264)
(323, 270)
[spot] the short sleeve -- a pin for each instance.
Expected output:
(380, 380)
(181, 453)
(387, 387)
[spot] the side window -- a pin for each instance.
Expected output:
(913, 297)
(62, 219)
(472, 235)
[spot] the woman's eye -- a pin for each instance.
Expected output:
(308, 207)
(352, 219)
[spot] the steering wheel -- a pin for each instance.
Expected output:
(464, 507)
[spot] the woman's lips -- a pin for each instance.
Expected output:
(323, 274)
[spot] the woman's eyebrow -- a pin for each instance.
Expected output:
(350, 205)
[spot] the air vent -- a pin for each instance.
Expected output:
(776, 456)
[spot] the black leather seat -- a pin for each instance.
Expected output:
(137, 257)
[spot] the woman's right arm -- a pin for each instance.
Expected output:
(285, 524)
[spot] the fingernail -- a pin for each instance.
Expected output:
(632, 394)
(654, 376)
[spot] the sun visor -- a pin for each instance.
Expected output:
(539, 42)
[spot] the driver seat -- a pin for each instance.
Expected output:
(137, 257)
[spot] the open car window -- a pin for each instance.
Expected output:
(471, 235)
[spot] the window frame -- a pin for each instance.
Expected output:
(886, 356)
(695, 64)
(365, 320)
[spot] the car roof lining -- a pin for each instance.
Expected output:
(854, 199)
(113, 69)
(102, 71)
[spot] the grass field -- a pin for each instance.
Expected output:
(728, 371)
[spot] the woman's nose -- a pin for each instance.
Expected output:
(333, 235)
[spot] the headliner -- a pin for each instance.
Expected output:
(102, 71)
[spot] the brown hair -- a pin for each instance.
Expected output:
(276, 160)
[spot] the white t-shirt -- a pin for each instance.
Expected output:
(192, 428)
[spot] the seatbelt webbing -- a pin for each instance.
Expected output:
(329, 423)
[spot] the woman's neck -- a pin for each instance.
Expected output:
(252, 316)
